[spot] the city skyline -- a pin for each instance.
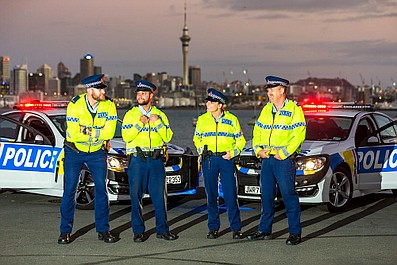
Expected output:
(230, 39)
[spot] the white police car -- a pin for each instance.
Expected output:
(31, 159)
(349, 151)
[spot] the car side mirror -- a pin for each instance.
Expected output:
(38, 139)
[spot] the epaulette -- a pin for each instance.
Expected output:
(74, 99)
(108, 98)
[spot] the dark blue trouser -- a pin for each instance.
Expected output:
(96, 163)
(282, 172)
(144, 177)
(212, 168)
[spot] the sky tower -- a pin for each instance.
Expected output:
(185, 47)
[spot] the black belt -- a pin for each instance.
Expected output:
(217, 153)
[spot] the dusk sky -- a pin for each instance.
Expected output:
(294, 39)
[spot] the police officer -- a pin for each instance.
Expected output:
(277, 137)
(219, 139)
(145, 130)
(91, 122)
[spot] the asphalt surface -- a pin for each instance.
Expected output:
(365, 234)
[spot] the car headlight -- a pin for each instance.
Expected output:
(311, 165)
(117, 163)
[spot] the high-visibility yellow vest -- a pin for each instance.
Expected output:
(222, 136)
(149, 136)
(285, 131)
(102, 126)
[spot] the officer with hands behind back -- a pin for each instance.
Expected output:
(219, 139)
(91, 122)
(145, 130)
(277, 137)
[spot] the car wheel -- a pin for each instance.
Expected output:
(340, 191)
(85, 190)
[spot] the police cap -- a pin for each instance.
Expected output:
(143, 85)
(94, 81)
(273, 81)
(215, 96)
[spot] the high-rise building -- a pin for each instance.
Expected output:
(86, 66)
(65, 78)
(63, 71)
(20, 79)
(5, 74)
(195, 76)
(36, 82)
(48, 73)
(97, 70)
(185, 48)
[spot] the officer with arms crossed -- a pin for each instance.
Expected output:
(91, 122)
(219, 139)
(277, 137)
(145, 130)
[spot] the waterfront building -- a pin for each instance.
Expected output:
(195, 76)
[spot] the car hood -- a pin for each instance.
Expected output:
(320, 147)
(117, 146)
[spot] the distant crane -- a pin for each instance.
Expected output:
(362, 80)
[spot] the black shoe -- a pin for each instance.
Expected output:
(106, 237)
(212, 234)
(293, 239)
(64, 238)
(259, 236)
(167, 236)
(237, 235)
(138, 238)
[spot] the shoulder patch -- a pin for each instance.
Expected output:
(74, 99)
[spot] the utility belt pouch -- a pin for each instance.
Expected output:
(205, 153)
(157, 153)
(141, 154)
(71, 146)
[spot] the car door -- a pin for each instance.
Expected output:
(377, 153)
(27, 157)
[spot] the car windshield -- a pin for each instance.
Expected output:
(327, 128)
(60, 122)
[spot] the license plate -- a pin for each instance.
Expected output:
(252, 189)
(177, 179)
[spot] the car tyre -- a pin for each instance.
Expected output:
(340, 191)
(85, 190)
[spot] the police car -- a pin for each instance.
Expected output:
(349, 151)
(31, 159)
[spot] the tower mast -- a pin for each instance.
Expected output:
(185, 38)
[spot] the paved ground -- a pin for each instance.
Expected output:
(366, 234)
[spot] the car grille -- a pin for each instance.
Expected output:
(250, 162)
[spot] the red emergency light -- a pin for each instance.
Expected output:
(41, 105)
